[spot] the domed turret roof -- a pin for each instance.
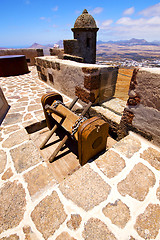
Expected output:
(85, 20)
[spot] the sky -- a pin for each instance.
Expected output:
(24, 22)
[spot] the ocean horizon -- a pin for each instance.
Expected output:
(16, 47)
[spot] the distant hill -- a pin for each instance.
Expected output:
(37, 45)
(133, 49)
(131, 42)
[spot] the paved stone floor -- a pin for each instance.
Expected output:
(117, 196)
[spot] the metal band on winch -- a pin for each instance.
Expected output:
(76, 125)
(57, 102)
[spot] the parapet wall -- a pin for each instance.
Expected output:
(4, 107)
(143, 107)
(30, 53)
(90, 82)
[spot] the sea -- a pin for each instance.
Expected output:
(16, 47)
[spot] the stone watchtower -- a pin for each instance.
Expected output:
(85, 35)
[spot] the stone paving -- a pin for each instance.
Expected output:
(116, 196)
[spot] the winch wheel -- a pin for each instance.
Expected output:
(49, 98)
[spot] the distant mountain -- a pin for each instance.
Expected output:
(36, 45)
(60, 43)
(131, 42)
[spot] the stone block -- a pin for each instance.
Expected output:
(48, 215)
(12, 118)
(128, 146)
(137, 183)
(29, 234)
(12, 205)
(158, 192)
(90, 70)
(3, 161)
(84, 95)
(148, 223)
(57, 52)
(73, 58)
(92, 82)
(152, 156)
(4, 107)
(81, 186)
(65, 235)
(16, 138)
(8, 174)
(95, 229)
(110, 163)
(11, 237)
(39, 179)
(74, 222)
(118, 213)
(69, 75)
(72, 47)
(143, 103)
(30, 53)
(25, 156)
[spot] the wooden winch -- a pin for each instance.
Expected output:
(91, 133)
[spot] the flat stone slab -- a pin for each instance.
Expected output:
(65, 235)
(118, 213)
(158, 192)
(107, 113)
(81, 186)
(8, 174)
(29, 234)
(148, 223)
(95, 229)
(12, 118)
(3, 160)
(12, 205)
(152, 156)
(39, 180)
(15, 138)
(11, 237)
(115, 104)
(128, 146)
(110, 163)
(48, 215)
(137, 182)
(25, 156)
(74, 222)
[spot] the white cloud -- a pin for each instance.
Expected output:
(126, 21)
(106, 23)
(129, 11)
(151, 11)
(97, 10)
(55, 9)
(154, 20)
(126, 27)
(148, 32)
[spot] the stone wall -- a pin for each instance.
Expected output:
(57, 52)
(4, 107)
(143, 107)
(30, 53)
(90, 82)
